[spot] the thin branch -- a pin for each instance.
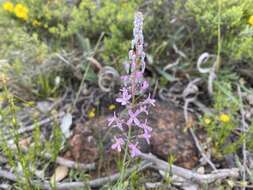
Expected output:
(201, 150)
(73, 185)
(192, 88)
(72, 164)
(190, 175)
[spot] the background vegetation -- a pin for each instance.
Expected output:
(48, 46)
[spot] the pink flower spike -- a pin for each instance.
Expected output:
(133, 117)
(149, 101)
(118, 143)
(125, 97)
(134, 150)
(146, 135)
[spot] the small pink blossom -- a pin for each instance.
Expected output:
(149, 101)
(112, 119)
(118, 143)
(144, 109)
(144, 85)
(134, 150)
(146, 135)
(133, 117)
(125, 97)
(144, 126)
(116, 120)
(138, 76)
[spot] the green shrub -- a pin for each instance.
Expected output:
(235, 29)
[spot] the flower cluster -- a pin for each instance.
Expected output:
(20, 10)
(133, 89)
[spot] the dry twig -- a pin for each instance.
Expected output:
(73, 185)
(192, 89)
(72, 164)
(190, 175)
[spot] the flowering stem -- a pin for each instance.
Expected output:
(125, 154)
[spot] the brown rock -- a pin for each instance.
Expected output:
(169, 137)
(82, 145)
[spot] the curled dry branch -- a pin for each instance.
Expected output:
(203, 58)
(107, 78)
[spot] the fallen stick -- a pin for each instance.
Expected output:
(72, 164)
(199, 147)
(74, 185)
(101, 181)
(190, 175)
(32, 127)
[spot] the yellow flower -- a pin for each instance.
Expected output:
(207, 121)
(36, 23)
(91, 113)
(111, 107)
(224, 118)
(251, 20)
(21, 11)
(8, 6)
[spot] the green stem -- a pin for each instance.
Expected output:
(217, 66)
(125, 155)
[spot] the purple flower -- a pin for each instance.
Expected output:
(125, 79)
(138, 76)
(143, 64)
(125, 97)
(115, 119)
(118, 143)
(112, 119)
(134, 150)
(146, 135)
(149, 101)
(144, 85)
(133, 117)
(144, 109)
(144, 126)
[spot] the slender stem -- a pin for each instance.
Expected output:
(125, 155)
(81, 85)
(217, 66)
